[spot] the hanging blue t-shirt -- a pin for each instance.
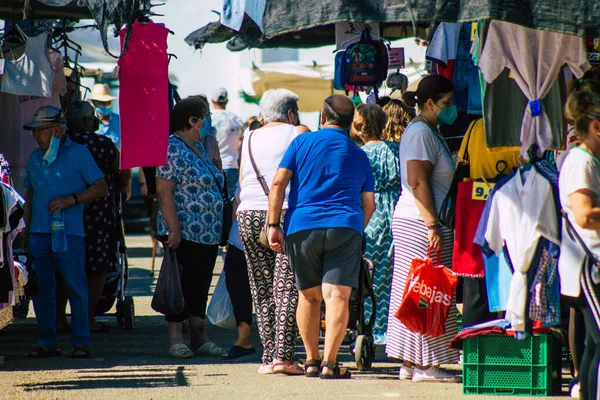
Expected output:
(330, 173)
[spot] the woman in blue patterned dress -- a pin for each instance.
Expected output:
(191, 215)
(369, 123)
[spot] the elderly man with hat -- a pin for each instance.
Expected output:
(110, 124)
(61, 176)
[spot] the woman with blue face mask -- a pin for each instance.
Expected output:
(426, 169)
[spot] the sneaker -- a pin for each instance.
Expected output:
(575, 391)
(432, 375)
(406, 374)
(266, 369)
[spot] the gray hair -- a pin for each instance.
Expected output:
(275, 104)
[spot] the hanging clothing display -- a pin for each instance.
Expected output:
(17, 110)
(450, 50)
(535, 68)
(30, 74)
(143, 98)
(522, 212)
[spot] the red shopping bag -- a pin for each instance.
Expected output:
(427, 297)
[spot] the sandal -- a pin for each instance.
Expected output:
(287, 368)
(44, 352)
(238, 351)
(180, 350)
(80, 352)
(312, 364)
(210, 350)
(337, 374)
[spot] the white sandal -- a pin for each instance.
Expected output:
(210, 350)
(180, 350)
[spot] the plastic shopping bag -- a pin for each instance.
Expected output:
(220, 309)
(168, 294)
(427, 297)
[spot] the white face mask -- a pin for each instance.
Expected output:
(52, 151)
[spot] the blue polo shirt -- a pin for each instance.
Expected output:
(330, 173)
(72, 171)
(112, 130)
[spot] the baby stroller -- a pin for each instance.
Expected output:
(116, 284)
(359, 334)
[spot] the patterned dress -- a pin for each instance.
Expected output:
(100, 216)
(385, 165)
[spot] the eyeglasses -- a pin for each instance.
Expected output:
(38, 131)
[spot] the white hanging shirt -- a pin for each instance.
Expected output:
(523, 211)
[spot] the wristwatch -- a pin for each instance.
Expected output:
(275, 225)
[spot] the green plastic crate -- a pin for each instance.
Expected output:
(503, 365)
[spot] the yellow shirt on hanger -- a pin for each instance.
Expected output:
(484, 163)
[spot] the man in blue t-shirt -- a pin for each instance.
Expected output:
(61, 177)
(330, 203)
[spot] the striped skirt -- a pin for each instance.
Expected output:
(410, 242)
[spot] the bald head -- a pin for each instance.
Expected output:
(338, 110)
(81, 117)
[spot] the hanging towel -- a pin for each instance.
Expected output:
(144, 96)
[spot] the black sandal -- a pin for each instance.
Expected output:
(80, 352)
(336, 371)
(312, 364)
(44, 352)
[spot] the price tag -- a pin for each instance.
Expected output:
(473, 30)
(396, 58)
(481, 190)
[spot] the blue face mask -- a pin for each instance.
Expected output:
(447, 114)
(52, 151)
(207, 129)
(104, 110)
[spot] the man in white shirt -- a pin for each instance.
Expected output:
(230, 130)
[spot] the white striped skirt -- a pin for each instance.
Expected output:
(410, 242)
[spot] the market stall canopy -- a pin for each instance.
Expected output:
(250, 36)
(312, 83)
(309, 23)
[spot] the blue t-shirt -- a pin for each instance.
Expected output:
(330, 173)
(112, 130)
(72, 171)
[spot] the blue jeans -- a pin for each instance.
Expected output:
(233, 177)
(71, 265)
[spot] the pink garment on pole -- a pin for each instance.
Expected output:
(143, 96)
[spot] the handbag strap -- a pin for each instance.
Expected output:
(469, 133)
(573, 233)
(259, 177)
(221, 188)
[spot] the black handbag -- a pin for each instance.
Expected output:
(227, 205)
(463, 171)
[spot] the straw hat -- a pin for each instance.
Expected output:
(101, 92)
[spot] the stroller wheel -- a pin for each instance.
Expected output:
(120, 312)
(363, 352)
(129, 312)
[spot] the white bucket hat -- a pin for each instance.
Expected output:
(101, 92)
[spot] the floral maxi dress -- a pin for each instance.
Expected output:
(384, 160)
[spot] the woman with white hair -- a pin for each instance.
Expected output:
(271, 279)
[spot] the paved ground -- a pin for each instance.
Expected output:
(132, 364)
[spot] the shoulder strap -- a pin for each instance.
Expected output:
(574, 235)
(221, 188)
(469, 133)
(259, 177)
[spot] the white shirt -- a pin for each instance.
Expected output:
(523, 211)
(268, 147)
(420, 143)
(229, 133)
(580, 170)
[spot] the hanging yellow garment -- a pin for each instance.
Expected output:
(484, 163)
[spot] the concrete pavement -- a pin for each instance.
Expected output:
(132, 364)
